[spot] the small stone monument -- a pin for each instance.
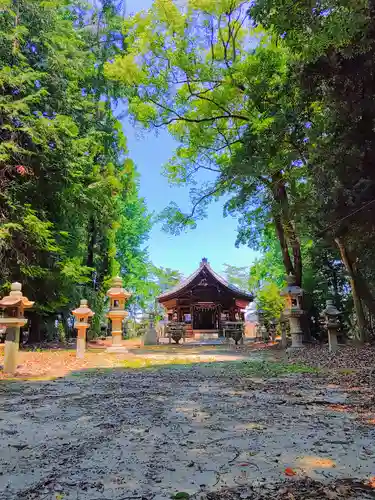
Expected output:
(14, 305)
(151, 336)
(117, 297)
(332, 322)
(82, 315)
(293, 310)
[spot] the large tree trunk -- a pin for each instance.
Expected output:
(288, 264)
(285, 229)
(34, 330)
(350, 268)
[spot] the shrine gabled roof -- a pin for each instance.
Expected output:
(204, 265)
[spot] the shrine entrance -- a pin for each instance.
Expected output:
(206, 317)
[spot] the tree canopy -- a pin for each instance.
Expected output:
(271, 105)
(253, 94)
(70, 212)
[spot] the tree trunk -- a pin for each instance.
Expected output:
(353, 283)
(364, 291)
(285, 226)
(288, 264)
(34, 330)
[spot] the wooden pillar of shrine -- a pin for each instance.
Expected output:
(218, 312)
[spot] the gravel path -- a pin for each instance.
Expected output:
(149, 434)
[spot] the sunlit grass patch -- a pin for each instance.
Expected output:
(157, 363)
(267, 368)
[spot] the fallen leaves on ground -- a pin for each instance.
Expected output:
(349, 360)
(302, 489)
(58, 363)
(289, 472)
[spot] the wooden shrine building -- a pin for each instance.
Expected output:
(204, 301)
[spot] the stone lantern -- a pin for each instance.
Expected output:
(117, 297)
(151, 336)
(331, 315)
(293, 310)
(82, 315)
(14, 305)
(260, 323)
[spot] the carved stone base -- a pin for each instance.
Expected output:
(117, 349)
(206, 335)
(296, 341)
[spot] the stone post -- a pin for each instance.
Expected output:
(331, 314)
(118, 297)
(284, 341)
(296, 331)
(14, 305)
(82, 315)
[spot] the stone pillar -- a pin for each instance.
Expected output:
(81, 342)
(11, 348)
(284, 341)
(296, 332)
(117, 331)
(332, 339)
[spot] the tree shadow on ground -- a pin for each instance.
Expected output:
(154, 431)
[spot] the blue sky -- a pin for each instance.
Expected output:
(213, 238)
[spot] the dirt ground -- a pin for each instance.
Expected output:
(183, 421)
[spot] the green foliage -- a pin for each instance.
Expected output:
(332, 45)
(233, 109)
(159, 280)
(68, 193)
(257, 115)
(181, 495)
(269, 300)
(238, 276)
(61, 332)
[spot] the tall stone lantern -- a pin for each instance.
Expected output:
(117, 297)
(14, 305)
(82, 315)
(331, 315)
(293, 310)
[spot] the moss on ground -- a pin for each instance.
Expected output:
(251, 368)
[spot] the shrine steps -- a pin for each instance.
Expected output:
(206, 334)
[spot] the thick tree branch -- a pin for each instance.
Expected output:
(179, 117)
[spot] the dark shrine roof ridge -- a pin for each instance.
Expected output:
(203, 265)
